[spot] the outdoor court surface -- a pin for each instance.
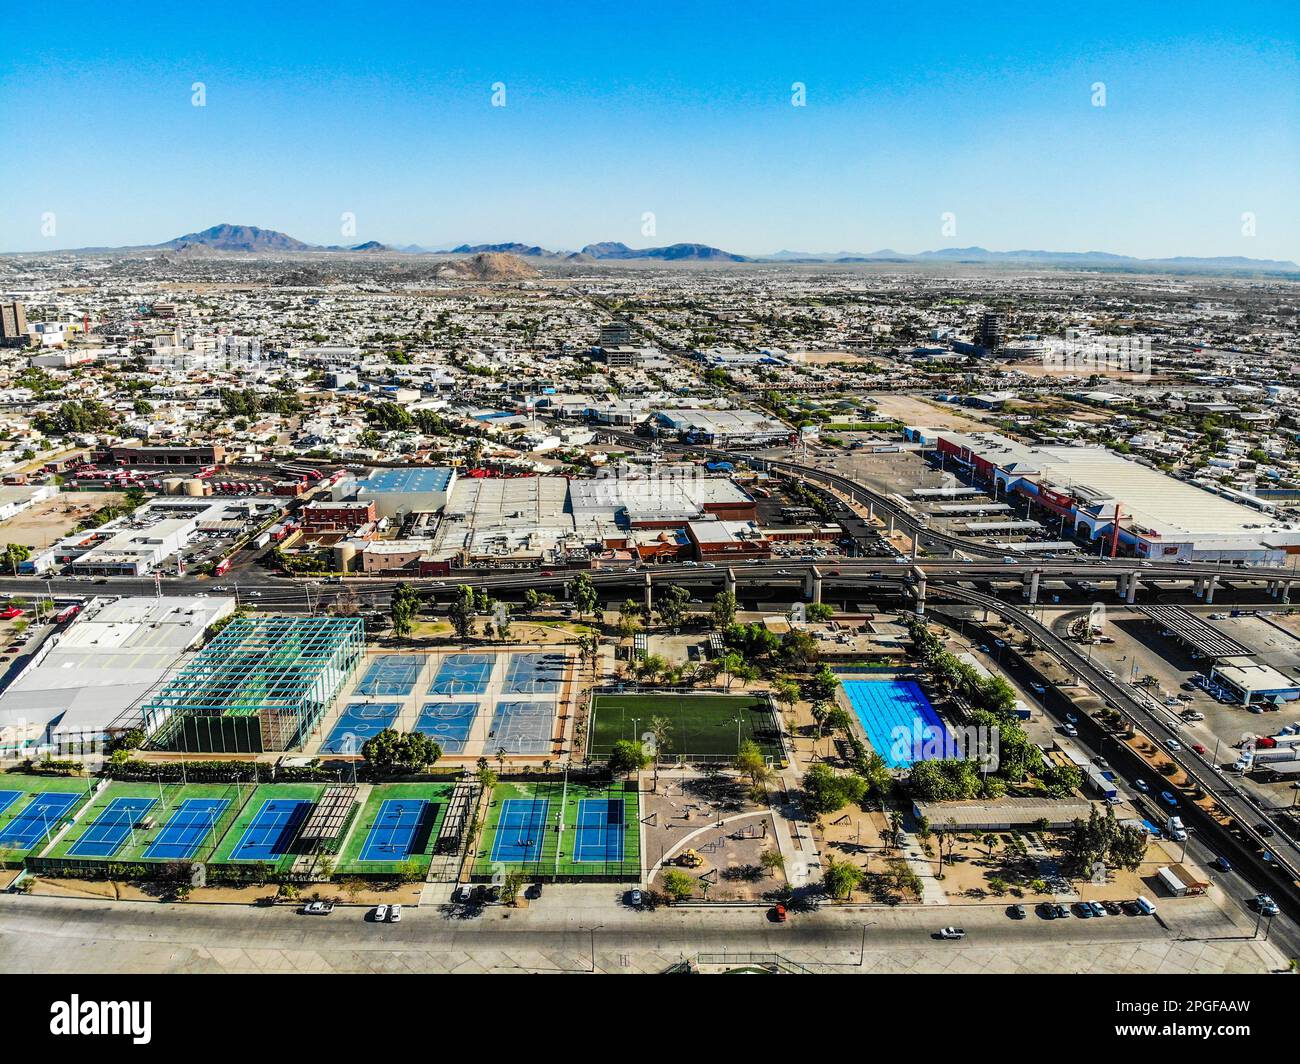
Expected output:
(535, 674)
(37, 820)
(189, 825)
(565, 829)
(7, 798)
(521, 829)
(447, 723)
(700, 726)
(522, 727)
(393, 834)
(112, 827)
(600, 830)
(463, 674)
(358, 722)
(272, 831)
(391, 674)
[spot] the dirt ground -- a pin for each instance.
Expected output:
(43, 524)
(912, 410)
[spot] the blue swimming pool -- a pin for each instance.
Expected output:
(898, 719)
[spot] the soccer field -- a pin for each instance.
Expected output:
(702, 727)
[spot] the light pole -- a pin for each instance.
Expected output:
(593, 931)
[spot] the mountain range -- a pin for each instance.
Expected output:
(250, 239)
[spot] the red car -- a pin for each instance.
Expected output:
(1199, 749)
(778, 914)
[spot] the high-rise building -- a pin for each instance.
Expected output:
(13, 325)
(615, 334)
(993, 330)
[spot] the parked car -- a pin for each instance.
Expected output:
(1112, 907)
(380, 913)
(463, 894)
(951, 932)
(1097, 908)
(778, 914)
(394, 914)
(318, 908)
(1062, 912)
(634, 899)
(1016, 912)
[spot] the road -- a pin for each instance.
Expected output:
(54, 934)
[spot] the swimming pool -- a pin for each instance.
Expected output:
(897, 718)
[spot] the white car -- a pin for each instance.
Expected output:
(1173, 745)
(381, 913)
(951, 932)
(394, 914)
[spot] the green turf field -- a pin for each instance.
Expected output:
(703, 727)
(265, 792)
(557, 855)
(439, 794)
(30, 786)
(165, 801)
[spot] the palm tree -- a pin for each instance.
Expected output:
(660, 729)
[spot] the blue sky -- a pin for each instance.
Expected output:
(613, 110)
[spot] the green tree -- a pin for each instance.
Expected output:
(14, 554)
(627, 756)
(462, 611)
(723, 611)
(404, 605)
(585, 596)
(677, 884)
(671, 604)
(841, 878)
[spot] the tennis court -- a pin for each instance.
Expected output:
(182, 835)
(393, 834)
(391, 674)
(535, 674)
(522, 727)
(600, 831)
(113, 826)
(37, 820)
(520, 830)
(358, 722)
(463, 674)
(272, 831)
(7, 798)
(447, 723)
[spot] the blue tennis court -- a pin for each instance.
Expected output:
(535, 674)
(271, 833)
(37, 820)
(7, 798)
(447, 723)
(600, 830)
(391, 674)
(393, 833)
(357, 723)
(193, 820)
(113, 826)
(900, 723)
(463, 674)
(520, 830)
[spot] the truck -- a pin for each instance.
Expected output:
(1175, 830)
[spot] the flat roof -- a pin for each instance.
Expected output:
(1250, 675)
(415, 479)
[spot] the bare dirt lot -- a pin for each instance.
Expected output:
(912, 410)
(46, 522)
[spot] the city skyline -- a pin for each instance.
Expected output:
(1066, 131)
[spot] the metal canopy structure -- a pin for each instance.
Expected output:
(260, 685)
(1193, 631)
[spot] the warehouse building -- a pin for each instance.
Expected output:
(1158, 516)
(399, 492)
(695, 425)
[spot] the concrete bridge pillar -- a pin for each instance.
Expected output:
(1121, 585)
(1286, 590)
(729, 579)
(1133, 585)
(1199, 588)
(918, 577)
(1211, 582)
(649, 596)
(812, 585)
(1034, 578)
(891, 524)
